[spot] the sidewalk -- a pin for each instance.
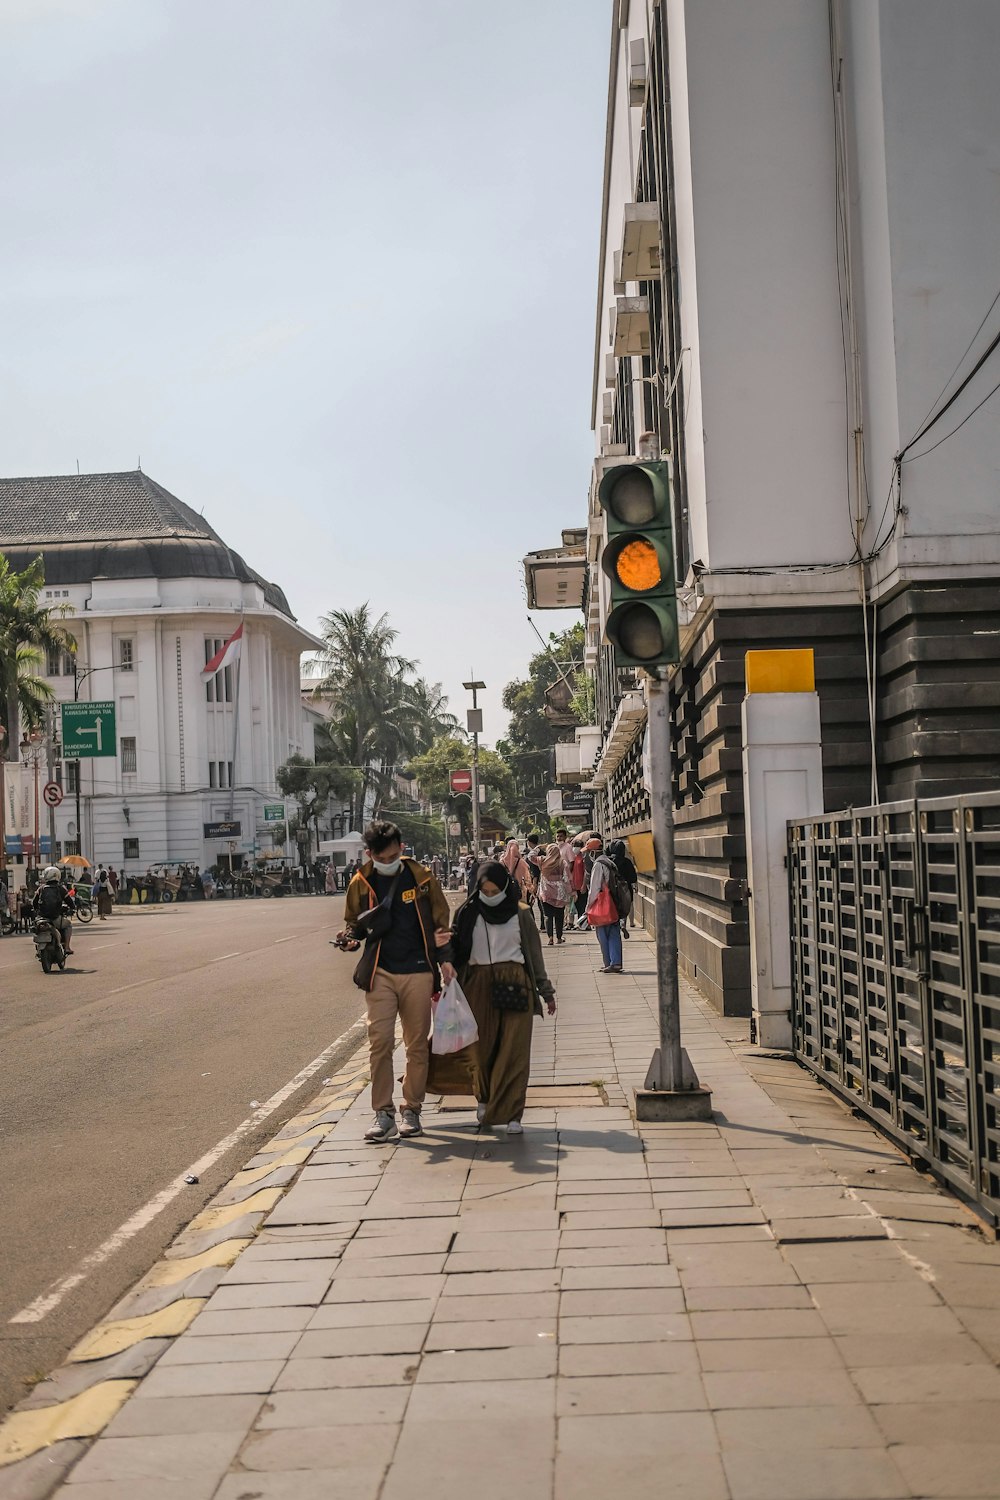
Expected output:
(771, 1305)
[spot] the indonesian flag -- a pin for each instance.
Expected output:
(226, 655)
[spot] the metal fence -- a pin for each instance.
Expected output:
(895, 921)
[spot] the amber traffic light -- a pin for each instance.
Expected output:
(639, 560)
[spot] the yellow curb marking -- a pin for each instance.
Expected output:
(274, 1148)
(215, 1218)
(255, 1174)
(27, 1432)
(169, 1272)
(112, 1338)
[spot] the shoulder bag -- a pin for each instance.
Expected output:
(506, 994)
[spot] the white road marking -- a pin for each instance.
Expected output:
(48, 1301)
(98, 946)
(225, 955)
(290, 939)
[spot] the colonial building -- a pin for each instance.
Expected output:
(797, 298)
(151, 593)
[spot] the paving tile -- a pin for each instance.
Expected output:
(860, 1351)
(302, 1484)
(732, 1265)
(611, 1255)
(500, 1283)
(631, 1218)
(393, 1289)
(202, 1488)
(230, 1379)
(418, 1310)
(329, 1448)
(390, 1265)
(507, 1457)
(138, 1459)
(596, 1278)
(378, 1247)
(606, 1303)
(472, 1399)
(628, 1359)
(212, 1349)
(723, 1298)
(520, 1363)
(719, 1234)
(759, 1323)
(471, 1242)
(541, 1305)
(159, 1417)
(938, 1383)
(918, 1423)
(951, 1469)
(770, 1354)
(390, 1338)
(33, 1478)
(655, 1455)
(586, 1395)
(639, 1329)
(339, 1407)
(501, 1258)
(250, 1320)
(673, 1217)
(780, 1388)
(817, 1474)
(349, 1371)
(797, 1231)
(837, 1426)
(274, 1294)
(499, 1333)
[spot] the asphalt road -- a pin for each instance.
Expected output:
(120, 1073)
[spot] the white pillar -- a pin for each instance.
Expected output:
(782, 782)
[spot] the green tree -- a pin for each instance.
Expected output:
(545, 708)
(312, 785)
(450, 753)
(28, 631)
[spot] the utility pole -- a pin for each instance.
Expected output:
(474, 721)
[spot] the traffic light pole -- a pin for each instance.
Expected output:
(672, 1090)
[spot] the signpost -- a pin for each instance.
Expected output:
(274, 812)
(88, 730)
(52, 794)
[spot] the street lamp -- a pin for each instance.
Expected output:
(3, 799)
(32, 749)
(80, 675)
(474, 723)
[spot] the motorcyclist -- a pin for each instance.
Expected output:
(53, 902)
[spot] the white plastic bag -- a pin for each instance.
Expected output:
(454, 1024)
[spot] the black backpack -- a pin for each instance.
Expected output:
(50, 901)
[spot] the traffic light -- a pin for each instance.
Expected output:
(639, 560)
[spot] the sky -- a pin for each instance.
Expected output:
(329, 270)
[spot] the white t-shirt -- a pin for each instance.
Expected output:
(502, 946)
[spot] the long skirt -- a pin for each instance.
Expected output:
(504, 1042)
(104, 903)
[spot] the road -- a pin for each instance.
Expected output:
(119, 1074)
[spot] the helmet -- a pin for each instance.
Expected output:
(51, 874)
(594, 844)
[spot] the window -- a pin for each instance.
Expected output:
(126, 654)
(54, 663)
(130, 848)
(213, 773)
(128, 753)
(218, 689)
(73, 777)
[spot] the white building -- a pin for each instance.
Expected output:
(799, 223)
(151, 593)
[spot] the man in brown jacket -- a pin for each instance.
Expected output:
(405, 959)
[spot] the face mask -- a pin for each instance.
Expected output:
(390, 869)
(493, 900)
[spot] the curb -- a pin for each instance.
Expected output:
(49, 1431)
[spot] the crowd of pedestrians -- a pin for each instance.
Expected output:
(397, 914)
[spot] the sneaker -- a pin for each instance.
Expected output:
(515, 1128)
(480, 1112)
(383, 1128)
(409, 1123)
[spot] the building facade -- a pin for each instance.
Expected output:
(150, 593)
(798, 221)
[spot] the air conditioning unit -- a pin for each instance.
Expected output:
(639, 257)
(619, 280)
(610, 371)
(608, 406)
(630, 326)
(637, 72)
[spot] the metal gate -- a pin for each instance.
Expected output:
(895, 922)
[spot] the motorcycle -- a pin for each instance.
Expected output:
(49, 948)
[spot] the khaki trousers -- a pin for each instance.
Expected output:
(409, 997)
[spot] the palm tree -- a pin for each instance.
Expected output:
(364, 679)
(26, 623)
(427, 707)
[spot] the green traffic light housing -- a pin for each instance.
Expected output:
(642, 621)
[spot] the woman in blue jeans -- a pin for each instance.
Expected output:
(609, 936)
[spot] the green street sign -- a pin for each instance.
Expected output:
(274, 812)
(88, 730)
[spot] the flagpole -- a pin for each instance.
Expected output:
(236, 722)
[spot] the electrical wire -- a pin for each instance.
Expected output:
(950, 434)
(958, 366)
(995, 344)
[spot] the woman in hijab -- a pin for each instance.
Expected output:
(498, 954)
(628, 879)
(553, 890)
(515, 864)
